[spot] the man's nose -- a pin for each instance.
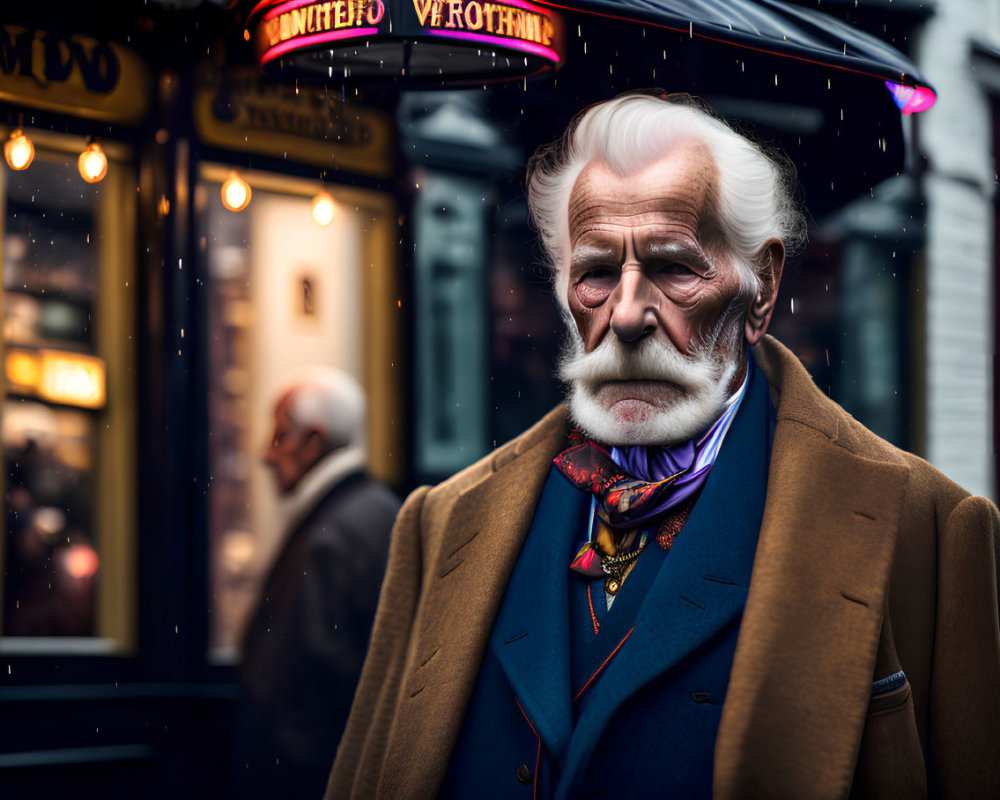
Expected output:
(635, 304)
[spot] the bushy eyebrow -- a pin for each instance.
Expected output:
(585, 256)
(688, 253)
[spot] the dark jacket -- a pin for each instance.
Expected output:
(305, 644)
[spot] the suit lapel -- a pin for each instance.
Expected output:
(531, 634)
(801, 677)
(701, 586)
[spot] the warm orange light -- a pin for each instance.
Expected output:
(81, 560)
(18, 150)
(323, 209)
(93, 163)
(72, 379)
(235, 193)
(22, 368)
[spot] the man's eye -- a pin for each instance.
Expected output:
(599, 277)
(595, 285)
(673, 268)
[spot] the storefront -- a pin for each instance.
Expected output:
(149, 316)
(69, 292)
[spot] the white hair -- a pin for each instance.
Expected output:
(754, 202)
(329, 399)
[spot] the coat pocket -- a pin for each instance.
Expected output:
(890, 762)
(889, 694)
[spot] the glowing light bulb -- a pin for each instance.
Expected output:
(323, 209)
(93, 163)
(18, 150)
(235, 193)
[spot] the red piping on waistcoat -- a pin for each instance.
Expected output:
(602, 666)
(538, 756)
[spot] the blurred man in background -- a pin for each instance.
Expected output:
(306, 641)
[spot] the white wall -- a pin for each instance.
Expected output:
(956, 138)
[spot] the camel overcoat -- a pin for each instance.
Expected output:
(869, 562)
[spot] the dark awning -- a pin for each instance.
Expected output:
(807, 82)
(764, 26)
(465, 41)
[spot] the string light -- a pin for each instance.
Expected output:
(323, 209)
(235, 193)
(18, 150)
(93, 163)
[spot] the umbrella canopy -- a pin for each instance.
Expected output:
(764, 26)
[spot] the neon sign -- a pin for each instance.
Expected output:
(461, 40)
(297, 24)
(509, 23)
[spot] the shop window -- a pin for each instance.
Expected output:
(68, 408)
(285, 291)
(452, 394)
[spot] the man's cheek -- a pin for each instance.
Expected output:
(591, 324)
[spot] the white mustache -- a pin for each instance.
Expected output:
(649, 360)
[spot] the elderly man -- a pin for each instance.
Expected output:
(304, 646)
(701, 577)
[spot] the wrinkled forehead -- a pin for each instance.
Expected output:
(677, 189)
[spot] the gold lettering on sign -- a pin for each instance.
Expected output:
(323, 17)
(476, 15)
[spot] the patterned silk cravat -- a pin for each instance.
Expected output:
(635, 485)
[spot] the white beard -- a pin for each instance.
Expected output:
(612, 415)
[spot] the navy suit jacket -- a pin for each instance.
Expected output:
(655, 707)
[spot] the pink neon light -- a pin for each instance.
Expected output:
(528, 7)
(911, 99)
(316, 38)
(498, 41)
(291, 5)
(256, 9)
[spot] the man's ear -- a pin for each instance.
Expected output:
(769, 261)
(314, 445)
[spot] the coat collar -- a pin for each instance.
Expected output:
(801, 678)
(464, 575)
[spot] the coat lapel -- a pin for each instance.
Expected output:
(465, 576)
(703, 583)
(531, 635)
(801, 678)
